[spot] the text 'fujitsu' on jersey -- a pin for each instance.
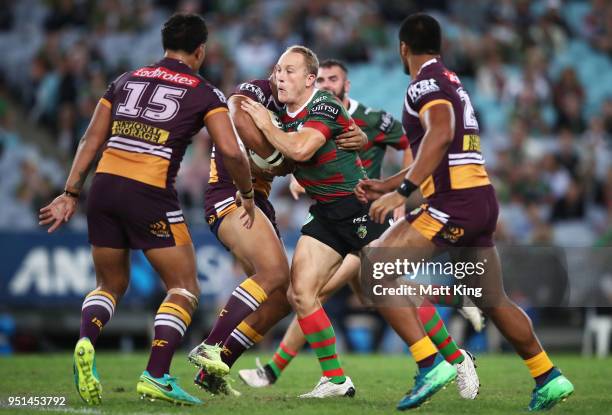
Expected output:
(156, 110)
(463, 165)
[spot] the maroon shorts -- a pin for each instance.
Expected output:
(220, 199)
(124, 213)
(465, 218)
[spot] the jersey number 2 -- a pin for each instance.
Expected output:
(469, 115)
(163, 104)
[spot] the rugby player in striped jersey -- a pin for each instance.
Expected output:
(145, 122)
(461, 207)
(244, 320)
(382, 131)
(337, 223)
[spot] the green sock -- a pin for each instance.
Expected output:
(436, 330)
(281, 359)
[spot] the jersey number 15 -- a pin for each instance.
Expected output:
(163, 104)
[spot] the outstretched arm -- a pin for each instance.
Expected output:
(61, 209)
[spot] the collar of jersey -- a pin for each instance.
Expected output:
(173, 61)
(294, 114)
(429, 62)
(353, 104)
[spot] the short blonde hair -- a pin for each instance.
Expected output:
(312, 62)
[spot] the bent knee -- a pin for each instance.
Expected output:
(116, 288)
(300, 299)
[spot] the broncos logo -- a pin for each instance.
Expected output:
(160, 229)
(452, 233)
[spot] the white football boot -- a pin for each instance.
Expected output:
(255, 378)
(468, 383)
(326, 389)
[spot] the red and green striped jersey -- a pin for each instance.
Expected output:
(382, 130)
(331, 173)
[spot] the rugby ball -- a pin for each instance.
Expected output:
(274, 157)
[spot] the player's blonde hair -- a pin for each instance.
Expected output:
(310, 58)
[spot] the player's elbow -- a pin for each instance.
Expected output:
(444, 137)
(301, 154)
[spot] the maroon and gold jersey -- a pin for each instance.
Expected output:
(258, 90)
(156, 110)
(382, 130)
(462, 167)
(331, 174)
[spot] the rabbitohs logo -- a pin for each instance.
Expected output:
(362, 231)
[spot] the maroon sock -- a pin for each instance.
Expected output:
(171, 322)
(240, 340)
(245, 299)
(98, 308)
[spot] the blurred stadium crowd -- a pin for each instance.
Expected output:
(539, 72)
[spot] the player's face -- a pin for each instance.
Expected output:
(292, 77)
(334, 80)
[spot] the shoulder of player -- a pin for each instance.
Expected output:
(369, 112)
(208, 89)
(426, 83)
(324, 102)
(257, 88)
(323, 96)
(122, 78)
(324, 99)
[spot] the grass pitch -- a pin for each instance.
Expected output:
(380, 381)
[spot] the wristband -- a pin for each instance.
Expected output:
(248, 195)
(406, 188)
(71, 194)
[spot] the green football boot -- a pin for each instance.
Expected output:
(86, 376)
(556, 389)
(165, 388)
(208, 357)
(427, 382)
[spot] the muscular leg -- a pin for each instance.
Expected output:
(177, 269)
(306, 284)
(260, 250)
(510, 319)
(256, 325)
(112, 278)
(258, 247)
(294, 339)
(404, 320)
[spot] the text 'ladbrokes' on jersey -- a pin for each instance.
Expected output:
(462, 167)
(156, 110)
